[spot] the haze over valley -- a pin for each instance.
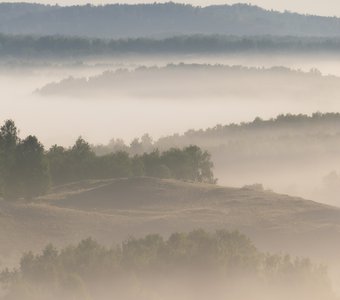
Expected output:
(169, 151)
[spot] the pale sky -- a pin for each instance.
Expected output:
(320, 7)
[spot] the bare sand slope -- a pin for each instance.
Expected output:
(112, 210)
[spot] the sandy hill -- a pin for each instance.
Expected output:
(112, 210)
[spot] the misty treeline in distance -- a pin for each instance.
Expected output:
(26, 169)
(196, 264)
(176, 80)
(243, 153)
(319, 127)
(163, 19)
(31, 46)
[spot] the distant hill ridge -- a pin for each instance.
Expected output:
(159, 20)
(180, 80)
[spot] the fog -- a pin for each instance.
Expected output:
(147, 104)
(143, 268)
(198, 106)
(60, 120)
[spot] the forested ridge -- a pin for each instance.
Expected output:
(181, 81)
(314, 122)
(159, 20)
(301, 128)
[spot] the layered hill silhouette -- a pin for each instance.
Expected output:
(159, 20)
(192, 81)
(113, 210)
(58, 46)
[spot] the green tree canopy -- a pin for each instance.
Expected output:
(31, 168)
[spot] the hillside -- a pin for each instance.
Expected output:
(301, 150)
(113, 210)
(159, 20)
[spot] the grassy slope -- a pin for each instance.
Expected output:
(112, 210)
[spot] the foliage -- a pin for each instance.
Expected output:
(26, 169)
(31, 168)
(8, 143)
(80, 162)
(227, 256)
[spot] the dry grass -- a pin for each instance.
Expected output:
(112, 210)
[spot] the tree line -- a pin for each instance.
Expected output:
(118, 80)
(32, 46)
(326, 121)
(82, 271)
(318, 125)
(27, 170)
